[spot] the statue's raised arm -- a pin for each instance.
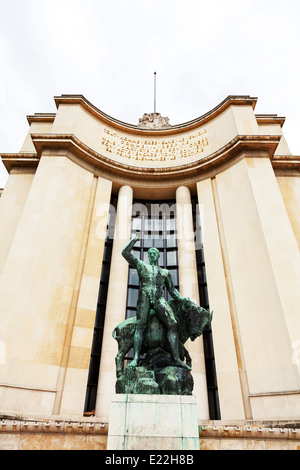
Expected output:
(126, 252)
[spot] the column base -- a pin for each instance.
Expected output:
(153, 422)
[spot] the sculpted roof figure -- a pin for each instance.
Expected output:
(154, 121)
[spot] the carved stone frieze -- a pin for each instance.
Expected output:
(153, 121)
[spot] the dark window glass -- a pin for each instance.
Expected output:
(174, 276)
(148, 241)
(130, 313)
(132, 297)
(211, 376)
(170, 225)
(171, 258)
(158, 241)
(133, 277)
(157, 225)
(171, 240)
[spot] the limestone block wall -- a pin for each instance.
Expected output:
(116, 303)
(290, 190)
(77, 347)
(37, 284)
(69, 433)
(54, 433)
(260, 270)
(228, 365)
(248, 436)
(11, 207)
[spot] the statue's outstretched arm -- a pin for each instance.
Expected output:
(126, 252)
(171, 289)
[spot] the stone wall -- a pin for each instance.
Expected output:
(52, 434)
(55, 433)
(249, 436)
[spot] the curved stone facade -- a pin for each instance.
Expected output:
(54, 212)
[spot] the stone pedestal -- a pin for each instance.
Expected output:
(153, 422)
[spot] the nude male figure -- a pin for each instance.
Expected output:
(153, 280)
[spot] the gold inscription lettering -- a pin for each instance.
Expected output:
(154, 150)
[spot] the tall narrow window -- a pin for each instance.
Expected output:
(211, 377)
(156, 221)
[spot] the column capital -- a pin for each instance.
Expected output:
(126, 188)
(181, 190)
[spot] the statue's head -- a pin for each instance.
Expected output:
(197, 319)
(153, 255)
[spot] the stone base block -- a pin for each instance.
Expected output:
(153, 422)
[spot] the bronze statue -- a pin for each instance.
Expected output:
(158, 331)
(153, 280)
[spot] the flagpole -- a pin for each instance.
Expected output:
(155, 92)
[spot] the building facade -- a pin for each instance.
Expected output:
(219, 196)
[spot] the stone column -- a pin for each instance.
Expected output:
(116, 303)
(188, 287)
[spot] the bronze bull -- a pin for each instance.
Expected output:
(191, 321)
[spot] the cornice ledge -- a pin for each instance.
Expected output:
(58, 425)
(242, 143)
(231, 100)
(267, 119)
(24, 160)
(41, 117)
(257, 430)
(286, 162)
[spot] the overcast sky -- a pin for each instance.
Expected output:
(108, 50)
